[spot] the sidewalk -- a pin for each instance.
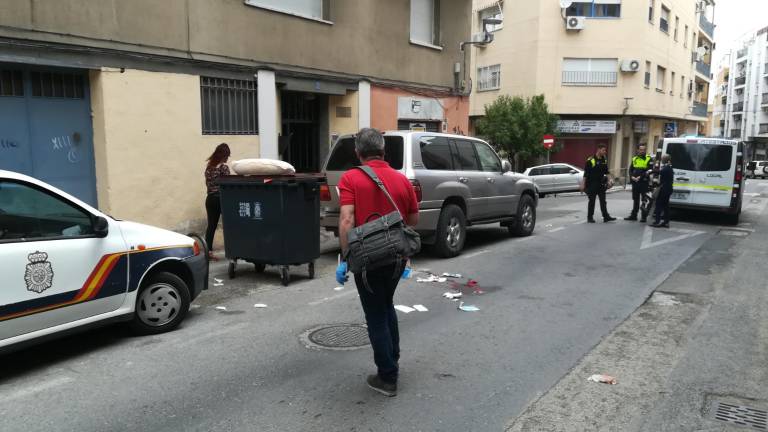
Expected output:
(699, 340)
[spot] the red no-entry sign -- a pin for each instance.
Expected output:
(549, 141)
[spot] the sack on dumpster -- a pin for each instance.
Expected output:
(262, 167)
(380, 242)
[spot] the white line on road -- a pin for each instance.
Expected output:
(474, 254)
(648, 236)
(580, 222)
(556, 230)
(29, 391)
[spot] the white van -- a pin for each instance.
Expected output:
(709, 174)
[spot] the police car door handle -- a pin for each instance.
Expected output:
(683, 179)
(463, 179)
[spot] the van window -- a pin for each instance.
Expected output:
(343, 157)
(701, 157)
(436, 153)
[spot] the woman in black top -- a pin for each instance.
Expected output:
(217, 167)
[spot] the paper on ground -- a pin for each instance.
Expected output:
(259, 305)
(218, 280)
(221, 308)
(432, 278)
(404, 309)
(338, 288)
(420, 308)
(451, 295)
(468, 308)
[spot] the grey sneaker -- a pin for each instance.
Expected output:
(381, 386)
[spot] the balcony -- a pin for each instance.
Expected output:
(740, 81)
(735, 133)
(763, 129)
(738, 107)
(765, 99)
(708, 27)
(765, 68)
(703, 68)
(724, 100)
(590, 78)
(699, 109)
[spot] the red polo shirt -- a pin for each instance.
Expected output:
(356, 188)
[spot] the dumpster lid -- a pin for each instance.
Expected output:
(268, 179)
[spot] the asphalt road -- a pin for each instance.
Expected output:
(547, 301)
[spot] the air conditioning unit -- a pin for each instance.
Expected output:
(482, 38)
(575, 23)
(630, 65)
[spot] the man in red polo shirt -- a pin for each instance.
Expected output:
(361, 201)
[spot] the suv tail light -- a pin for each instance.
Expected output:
(416, 188)
(325, 192)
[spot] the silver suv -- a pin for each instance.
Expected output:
(459, 181)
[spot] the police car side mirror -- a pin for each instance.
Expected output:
(100, 226)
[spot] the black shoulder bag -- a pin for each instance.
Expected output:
(381, 242)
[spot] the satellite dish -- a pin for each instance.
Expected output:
(565, 4)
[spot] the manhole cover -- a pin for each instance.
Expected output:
(740, 415)
(341, 337)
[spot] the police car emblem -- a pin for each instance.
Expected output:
(39, 274)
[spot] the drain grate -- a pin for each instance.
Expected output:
(342, 337)
(734, 232)
(741, 416)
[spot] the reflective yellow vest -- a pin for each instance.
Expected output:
(641, 162)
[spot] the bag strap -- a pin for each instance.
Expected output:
(368, 170)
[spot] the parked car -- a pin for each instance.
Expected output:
(66, 266)
(757, 169)
(708, 174)
(459, 181)
(557, 177)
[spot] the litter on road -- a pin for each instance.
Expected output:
(404, 309)
(432, 278)
(452, 296)
(468, 308)
(218, 280)
(452, 275)
(259, 305)
(221, 308)
(606, 379)
(338, 288)
(420, 308)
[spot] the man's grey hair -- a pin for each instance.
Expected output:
(369, 143)
(666, 158)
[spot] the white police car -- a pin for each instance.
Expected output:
(64, 265)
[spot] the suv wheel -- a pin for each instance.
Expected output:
(525, 219)
(451, 231)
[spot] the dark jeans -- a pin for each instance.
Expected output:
(662, 207)
(213, 209)
(591, 195)
(638, 188)
(381, 318)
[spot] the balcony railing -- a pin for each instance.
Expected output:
(740, 81)
(765, 98)
(738, 107)
(707, 26)
(699, 109)
(765, 68)
(587, 78)
(735, 133)
(763, 128)
(703, 68)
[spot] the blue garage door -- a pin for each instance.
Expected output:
(45, 127)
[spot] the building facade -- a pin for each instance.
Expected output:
(743, 102)
(719, 106)
(121, 101)
(617, 72)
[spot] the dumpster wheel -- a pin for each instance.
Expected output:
(285, 277)
(311, 270)
(231, 269)
(259, 267)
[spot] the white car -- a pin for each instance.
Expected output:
(65, 266)
(554, 178)
(757, 169)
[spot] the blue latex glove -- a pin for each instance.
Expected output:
(341, 273)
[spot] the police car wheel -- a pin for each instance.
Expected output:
(162, 303)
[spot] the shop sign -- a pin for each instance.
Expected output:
(587, 126)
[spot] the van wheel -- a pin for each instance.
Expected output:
(451, 231)
(525, 218)
(162, 303)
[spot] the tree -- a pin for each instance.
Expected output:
(516, 126)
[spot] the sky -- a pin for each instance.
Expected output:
(733, 19)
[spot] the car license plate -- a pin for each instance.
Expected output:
(683, 195)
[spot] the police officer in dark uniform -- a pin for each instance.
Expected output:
(638, 174)
(595, 183)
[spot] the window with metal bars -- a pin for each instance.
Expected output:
(57, 85)
(228, 106)
(11, 83)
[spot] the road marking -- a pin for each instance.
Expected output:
(648, 236)
(29, 391)
(556, 230)
(335, 297)
(474, 254)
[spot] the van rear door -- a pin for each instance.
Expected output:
(715, 173)
(684, 160)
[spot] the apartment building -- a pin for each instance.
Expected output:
(121, 101)
(719, 107)
(622, 73)
(743, 98)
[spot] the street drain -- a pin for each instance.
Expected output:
(339, 337)
(741, 416)
(733, 232)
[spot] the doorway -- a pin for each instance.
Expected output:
(301, 129)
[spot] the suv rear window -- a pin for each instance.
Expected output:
(701, 157)
(343, 157)
(436, 153)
